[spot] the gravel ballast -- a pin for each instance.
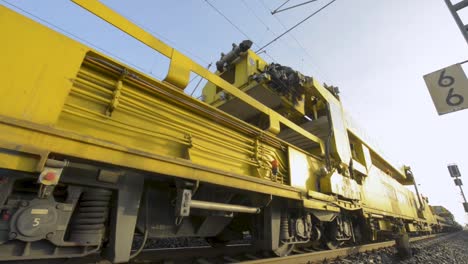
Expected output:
(448, 249)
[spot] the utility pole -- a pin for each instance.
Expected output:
(455, 173)
(454, 9)
(464, 198)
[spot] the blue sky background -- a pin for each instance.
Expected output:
(375, 51)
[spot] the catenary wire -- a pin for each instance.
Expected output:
(321, 75)
(280, 6)
(255, 14)
(266, 26)
(201, 79)
(262, 22)
(291, 7)
(227, 19)
(291, 34)
(236, 27)
(296, 25)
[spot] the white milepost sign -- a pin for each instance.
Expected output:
(448, 88)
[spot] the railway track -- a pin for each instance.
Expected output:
(202, 254)
(320, 256)
(245, 253)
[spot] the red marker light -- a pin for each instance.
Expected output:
(274, 167)
(274, 163)
(50, 176)
(6, 215)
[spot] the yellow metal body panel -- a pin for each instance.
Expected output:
(26, 73)
(340, 133)
(303, 170)
(337, 184)
(371, 155)
(384, 194)
(427, 212)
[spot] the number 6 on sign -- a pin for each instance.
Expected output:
(448, 88)
(454, 99)
(444, 80)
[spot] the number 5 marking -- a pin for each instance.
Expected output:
(454, 99)
(36, 221)
(445, 80)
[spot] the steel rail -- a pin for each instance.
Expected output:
(319, 256)
(185, 253)
(238, 253)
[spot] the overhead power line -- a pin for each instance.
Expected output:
(277, 10)
(235, 26)
(201, 79)
(296, 25)
(266, 26)
(322, 75)
(272, 12)
(255, 14)
(227, 19)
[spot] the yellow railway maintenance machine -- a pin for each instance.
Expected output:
(93, 152)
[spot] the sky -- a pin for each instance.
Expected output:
(376, 52)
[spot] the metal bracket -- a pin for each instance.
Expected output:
(50, 176)
(124, 217)
(117, 92)
(184, 197)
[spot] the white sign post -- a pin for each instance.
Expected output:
(448, 88)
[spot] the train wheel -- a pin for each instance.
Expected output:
(331, 232)
(333, 244)
(284, 250)
(312, 245)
